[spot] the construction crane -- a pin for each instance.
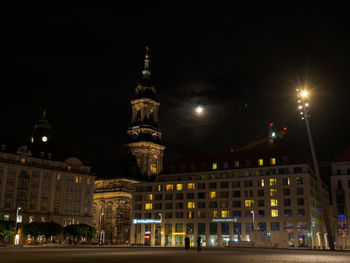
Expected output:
(269, 139)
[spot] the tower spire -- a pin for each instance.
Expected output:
(146, 72)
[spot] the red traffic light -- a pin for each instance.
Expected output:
(271, 124)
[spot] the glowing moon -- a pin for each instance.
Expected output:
(199, 110)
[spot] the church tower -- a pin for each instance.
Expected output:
(144, 137)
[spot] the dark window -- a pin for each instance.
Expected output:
(201, 228)
(261, 192)
(300, 201)
(223, 184)
(248, 193)
(213, 228)
(287, 212)
(179, 196)
(338, 171)
(248, 226)
(236, 193)
(158, 206)
(189, 228)
(159, 197)
(286, 202)
(138, 197)
(225, 228)
(286, 191)
(298, 170)
(261, 213)
(285, 181)
(301, 212)
(248, 183)
(201, 185)
(236, 203)
(275, 226)
(201, 195)
(168, 215)
(262, 226)
(224, 194)
(169, 206)
(212, 185)
(248, 163)
(299, 180)
(201, 204)
(300, 191)
(225, 165)
(224, 204)
(138, 206)
(261, 203)
(236, 184)
(179, 205)
(237, 213)
(190, 196)
(213, 204)
(169, 197)
(179, 214)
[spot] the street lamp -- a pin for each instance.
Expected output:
(253, 217)
(101, 237)
(303, 95)
(17, 220)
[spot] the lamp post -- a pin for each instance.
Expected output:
(253, 218)
(303, 107)
(17, 235)
(101, 237)
(161, 219)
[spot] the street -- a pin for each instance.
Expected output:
(168, 255)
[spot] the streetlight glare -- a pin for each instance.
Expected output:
(304, 93)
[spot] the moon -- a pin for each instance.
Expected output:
(199, 109)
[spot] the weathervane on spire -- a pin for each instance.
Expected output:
(147, 49)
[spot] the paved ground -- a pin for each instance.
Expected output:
(167, 255)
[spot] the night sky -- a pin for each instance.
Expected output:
(242, 64)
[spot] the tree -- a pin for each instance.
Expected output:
(51, 229)
(34, 229)
(7, 229)
(81, 230)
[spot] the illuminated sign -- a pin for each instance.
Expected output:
(146, 221)
(223, 220)
(19, 219)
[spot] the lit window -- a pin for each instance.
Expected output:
(261, 182)
(190, 186)
(23, 160)
(215, 166)
(274, 213)
(6, 217)
(69, 167)
(273, 192)
(190, 215)
(215, 214)
(190, 205)
(148, 206)
(261, 162)
(236, 164)
(248, 203)
(273, 181)
(212, 195)
(76, 179)
(274, 202)
(224, 214)
(169, 187)
(273, 161)
(159, 188)
(179, 187)
(149, 197)
(153, 168)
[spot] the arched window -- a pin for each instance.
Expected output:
(109, 211)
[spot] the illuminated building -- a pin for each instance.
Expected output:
(224, 197)
(112, 209)
(46, 183)
(340, 188)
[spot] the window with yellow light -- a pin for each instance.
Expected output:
(159, 188)
(215, 214)
(212, 195)
(153, 168)
(224, 214)
(215, 166)
(148, 206)
(274, 202)
(179, 187)
(169, 187)
(248, 203)
(261, 162)
(274, 213)
(190, 186)
(190, 215)
(190, 205)
(273, 161)
(273, 181)
(261, 182)
(273, 192)
(149, 197)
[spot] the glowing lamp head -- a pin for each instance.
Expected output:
(285, 128)
(304, 93)
(44, 139)
(199, 110)
(271, 124)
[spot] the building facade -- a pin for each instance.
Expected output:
(42, 189)
(225, 198)
(340, 188)
(112, 210)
